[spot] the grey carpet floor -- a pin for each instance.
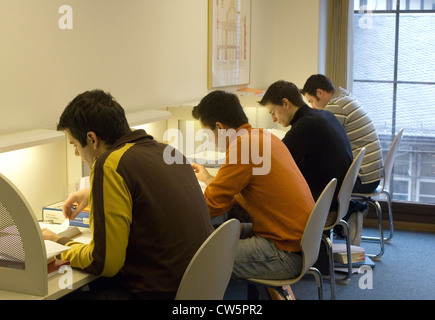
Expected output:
(406, 271)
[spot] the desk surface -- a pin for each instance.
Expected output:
(79, 279)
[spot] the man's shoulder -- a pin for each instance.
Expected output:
(343, 99)
(312, 117)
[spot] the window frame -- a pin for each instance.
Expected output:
(407, 211)
(395, 82)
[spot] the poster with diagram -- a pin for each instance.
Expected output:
(229, 42)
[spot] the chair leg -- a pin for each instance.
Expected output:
(331, 264)
(381, 235)
(390, 217)
(262, 292)
(379, 239)
(284, 293)
(346, 279)
(319, 282)
(266, 295)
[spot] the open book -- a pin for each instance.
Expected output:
(63, 229)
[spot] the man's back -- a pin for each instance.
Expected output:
(278, 200)
(149, 218)
(361, 132)
(170, 217)
(320, 148)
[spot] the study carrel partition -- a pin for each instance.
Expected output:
(23, 263)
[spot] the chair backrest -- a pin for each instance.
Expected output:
(208, 273)
(391, 156)
(312, 235)
(23, 259)
(345, 193)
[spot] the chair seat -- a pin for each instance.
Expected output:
(378, 191)
(280, 284)
(274, 283)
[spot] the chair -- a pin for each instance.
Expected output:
(23, 259)
(209, 271)
(382, 189)
(310, 244)
(343, 200)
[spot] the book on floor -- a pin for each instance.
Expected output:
(340, 253)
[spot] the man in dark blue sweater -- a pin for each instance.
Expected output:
(316, 140)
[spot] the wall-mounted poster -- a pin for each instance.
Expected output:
(229, 42)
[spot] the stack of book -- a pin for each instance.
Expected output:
(340, 253)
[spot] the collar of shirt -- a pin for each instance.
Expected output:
(238, 132)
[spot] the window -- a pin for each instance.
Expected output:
(394, 78)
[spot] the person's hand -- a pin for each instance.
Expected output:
(49, 235)
(75, 203)
(202, 173)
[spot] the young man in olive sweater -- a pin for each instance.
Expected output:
(141, 242)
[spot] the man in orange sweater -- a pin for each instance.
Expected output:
(272, 192)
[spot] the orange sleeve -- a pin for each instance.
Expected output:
(230, 180)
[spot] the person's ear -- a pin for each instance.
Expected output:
(286, 103)
(319, 93)
(92, 139)
(219, 125)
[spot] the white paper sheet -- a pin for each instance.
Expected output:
(53, 248)
(56, 228)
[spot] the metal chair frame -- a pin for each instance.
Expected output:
(310, 244)
(343, 198)
(382, 190)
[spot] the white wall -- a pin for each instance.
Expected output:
(296, 40)
(147, 53)
(38, 172)
(285, 46)
(263, 41)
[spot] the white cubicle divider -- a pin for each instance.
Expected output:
(23, 260)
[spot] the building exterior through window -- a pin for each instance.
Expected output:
(394, 78)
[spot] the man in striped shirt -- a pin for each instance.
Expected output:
(321, 94)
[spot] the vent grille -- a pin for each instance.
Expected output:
(11, 246)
